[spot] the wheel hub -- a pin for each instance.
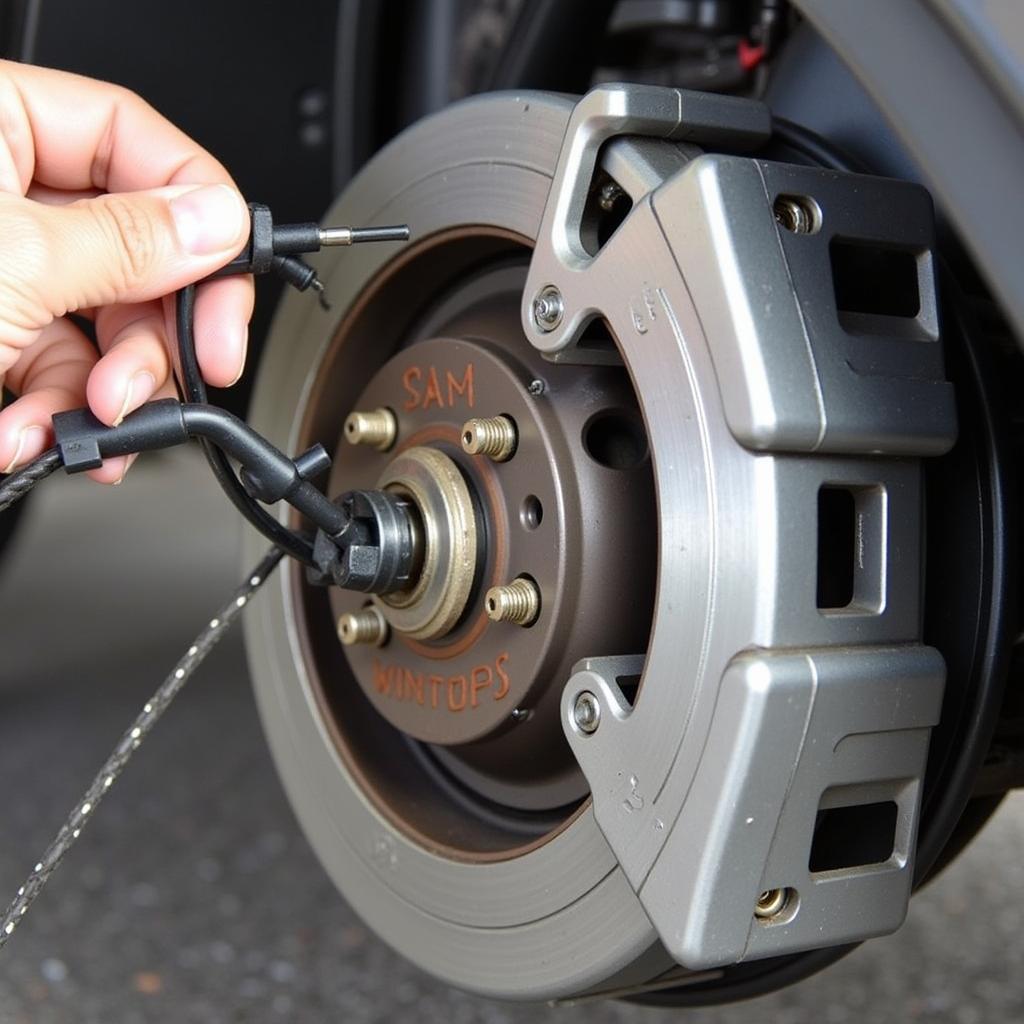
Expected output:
(448, 674)
(432, 482)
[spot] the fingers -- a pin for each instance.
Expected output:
(134, 364)
(174, 217)
(223, 310)
(113, 471)
(17, 147)
(50, 377)
(70, 132)
(58, 197)
(54, 375)
(128, 247)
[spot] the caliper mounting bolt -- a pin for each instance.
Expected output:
(366, 626)
(493, 436)
(586, 712)
(377, 428)
(798, 214)
(609, 194)
(771, 903)
(548, 308)
(517, 602)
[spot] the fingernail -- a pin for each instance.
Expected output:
(241, 365)
(209, 220)
(126, 464)
(31, 443)
(140, 388)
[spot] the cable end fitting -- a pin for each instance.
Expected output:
(84, 441)
(352, 236)
(379, 551)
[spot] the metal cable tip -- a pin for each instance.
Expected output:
(350, 236)
(318, 286)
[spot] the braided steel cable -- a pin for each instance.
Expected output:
(131, 740)
(18, 484)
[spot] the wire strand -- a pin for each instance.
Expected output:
(130, 742)
(18, 484)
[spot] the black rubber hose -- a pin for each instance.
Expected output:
(816, 149)
(194, 390)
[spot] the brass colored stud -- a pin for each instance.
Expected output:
(377, 428)
(366, 626)
(517, 602)
(494, 436)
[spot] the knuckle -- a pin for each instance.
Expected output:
(134, 237)
(130, 98)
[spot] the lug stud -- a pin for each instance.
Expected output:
(377, 428)
(494, 436)
(366, 626)
(517, 602)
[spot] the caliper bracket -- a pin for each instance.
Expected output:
(779, 324)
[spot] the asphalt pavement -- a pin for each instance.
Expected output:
(193, 897)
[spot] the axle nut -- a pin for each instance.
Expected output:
(495, 436)
(367, 626)
(377, 428)
(517, 602)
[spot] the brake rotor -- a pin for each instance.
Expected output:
(459, 826)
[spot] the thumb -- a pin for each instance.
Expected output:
(135, 246)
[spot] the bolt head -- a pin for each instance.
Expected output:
(536, 387)
(586, 712)
(609, 195)
(771, 902)
(548, 308)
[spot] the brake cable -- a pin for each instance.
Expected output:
(130, 741)
(363, 541)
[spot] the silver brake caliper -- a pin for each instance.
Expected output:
(779, 323)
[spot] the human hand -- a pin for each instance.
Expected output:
(106, 209)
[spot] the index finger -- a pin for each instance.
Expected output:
(69, 132)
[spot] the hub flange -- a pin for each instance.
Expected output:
(450, 675)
